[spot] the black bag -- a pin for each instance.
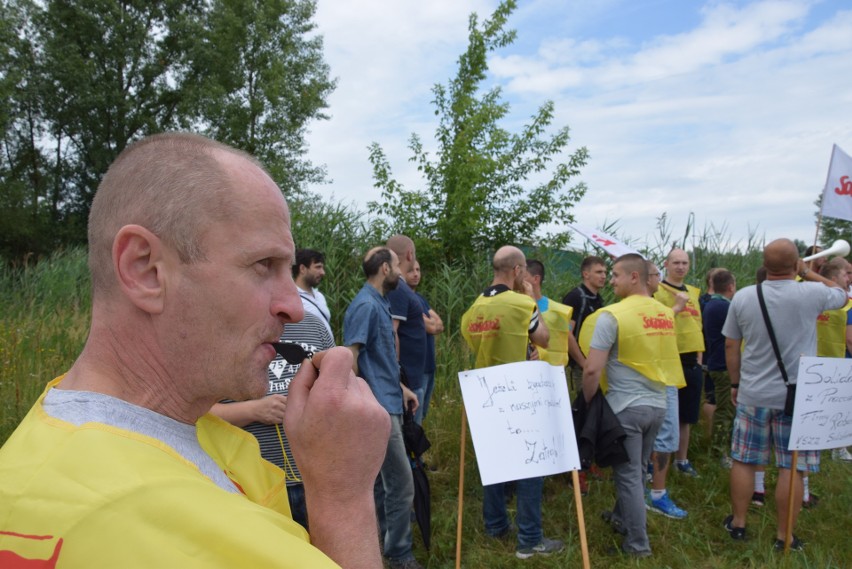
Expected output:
(791, 399)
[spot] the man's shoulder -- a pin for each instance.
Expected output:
(365, 299)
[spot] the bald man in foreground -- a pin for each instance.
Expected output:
(757, 388)
(118, 463)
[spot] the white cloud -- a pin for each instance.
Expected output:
(732, 118)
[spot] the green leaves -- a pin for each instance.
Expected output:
(485, 186)
(81, 79)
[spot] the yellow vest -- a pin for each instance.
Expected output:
(497, 328)
(831, 332)
(690, 337)
(646, 339)
(558, 321)
(100, 496)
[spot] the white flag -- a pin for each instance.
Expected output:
(606, 242)
(837, 195)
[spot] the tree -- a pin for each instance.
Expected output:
(84, 78)
(264, 80)
(477, 191)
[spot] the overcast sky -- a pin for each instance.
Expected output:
(727, 110)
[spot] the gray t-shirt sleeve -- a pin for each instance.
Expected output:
(731, 328)
(606, 332)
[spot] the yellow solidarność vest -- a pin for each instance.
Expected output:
(497, 328)
(831, 332)
(99, 496)
(690, 336)
(646, 339)
(558, 321)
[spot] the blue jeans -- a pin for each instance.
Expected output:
(641, 424)
(528, 496)
(296, 496)
(394, 493)
(424, 395)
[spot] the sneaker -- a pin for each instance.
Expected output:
(758, 499)
(405, 564)
(686, 468)
(796, 544)
(615, 524)
(841, 454)
(737, 534)
(811, 502)
(545, 547)
(665, 506)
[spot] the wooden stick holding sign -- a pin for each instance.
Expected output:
(462, 446)
(581, 519)
(520, 423)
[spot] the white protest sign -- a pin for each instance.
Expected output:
(606, 242)
(520, 421)
(822, 418)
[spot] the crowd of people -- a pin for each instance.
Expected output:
(211, 420)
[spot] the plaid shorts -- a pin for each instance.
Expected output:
(758, 428)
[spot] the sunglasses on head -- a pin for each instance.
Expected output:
(293, 352)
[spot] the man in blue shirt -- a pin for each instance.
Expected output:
(714, 314)
(407, 313)
(369, 333)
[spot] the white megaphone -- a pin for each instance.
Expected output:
(839, 247)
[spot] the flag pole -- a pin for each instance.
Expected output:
(816, 237)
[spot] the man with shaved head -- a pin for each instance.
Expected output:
(632, 345)
(119, 463)
(501, 327)
(407, 313)
(690, 344)
(758, 389)
(368, 332)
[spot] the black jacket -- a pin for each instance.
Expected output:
(599, 434)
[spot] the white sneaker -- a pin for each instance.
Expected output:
(841, 454)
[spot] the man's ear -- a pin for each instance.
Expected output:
(137, 256)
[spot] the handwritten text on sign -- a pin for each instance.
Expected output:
(520, 421)
(823, 414)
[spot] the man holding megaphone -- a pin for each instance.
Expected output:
(787, 310)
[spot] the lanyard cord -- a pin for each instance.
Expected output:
(289, 470)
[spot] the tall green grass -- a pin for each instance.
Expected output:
(43, 324)
(45, 316)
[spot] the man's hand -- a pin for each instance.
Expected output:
(534, 355)
(434, 324)
(409, 399)
(270, 410)
(339, 434)
(681, 300)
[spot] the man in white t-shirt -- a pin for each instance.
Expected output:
(308, 272)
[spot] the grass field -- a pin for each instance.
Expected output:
(44, 317)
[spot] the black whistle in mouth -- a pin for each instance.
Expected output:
(295, 353)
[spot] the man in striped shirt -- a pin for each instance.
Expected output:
(264, 417)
